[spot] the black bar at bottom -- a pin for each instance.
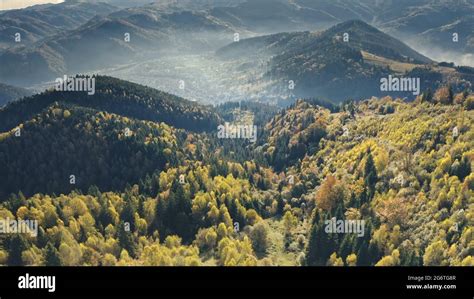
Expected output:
(243, 282)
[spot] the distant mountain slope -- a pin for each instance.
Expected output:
(429, 25)
(443, 35)
(272, 16)
(269, 16)
(419, 16)
(10, 93)
(103, 42)
(326, 65)
(425, 23)
(361, 36)
(264, 45)
(177, 27)
(119, 97)
(170, 27)
(173, 4)
(40, 21)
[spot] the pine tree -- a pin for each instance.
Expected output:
(321, 244)
(408, 257)
(427, 96)
(51, 255)
(370, 174)
(126, 240)
(17, 245)
(128, 213)
(363, 258)
(464, 168)
(450, 94)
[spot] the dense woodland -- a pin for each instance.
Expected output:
(155, 186)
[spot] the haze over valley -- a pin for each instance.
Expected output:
(176, 41)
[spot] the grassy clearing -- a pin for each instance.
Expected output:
(396, 66)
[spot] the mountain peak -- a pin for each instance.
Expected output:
(353, 26)
(363, 36)
(355, 22)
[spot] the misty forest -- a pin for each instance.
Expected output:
(238, 133)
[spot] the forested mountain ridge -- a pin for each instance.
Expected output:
(119, 127)
(426, 24)
(90, 145)
(403, 168)
(361, 36)
(119, 97)
(348, 58)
